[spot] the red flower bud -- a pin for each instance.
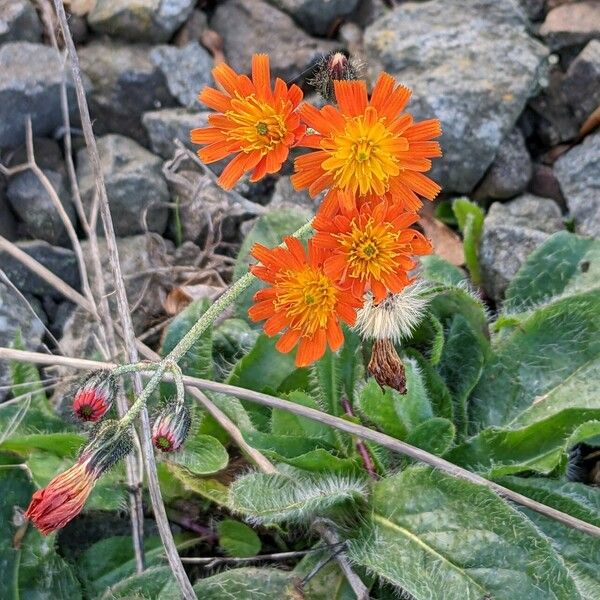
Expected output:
(94, 396)
(63, 498)
(171, 427)
(336, 66)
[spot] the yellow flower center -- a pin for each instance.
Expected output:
(259, 126)
(370, 250)
(308, 298)
(363, 157)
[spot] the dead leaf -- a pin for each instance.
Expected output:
(591, 123)
(179, 297)
(80, 7)
(213, 42)
(446, 243)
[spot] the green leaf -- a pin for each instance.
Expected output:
(25, 378)
(580, 552)
(276, 498)
(326, 376)
(538, 447)
(470, 222)
(435, 436)
(461, 366)
(549, 363)
(147, 585)
(442, 538)
(237, 539)
(287, 446)
(564, 265)
(352, 368)
(248, 583)
(269, 230)
(210, 489)
(59, 444)
(438, 270)
(231, 340)
(201, 455)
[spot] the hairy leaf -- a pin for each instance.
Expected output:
(237, 539)
(470, 222)
(201, 455)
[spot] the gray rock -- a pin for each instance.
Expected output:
(581, 84)
(250, 26)
(61, 261)
(30, 79)
(571, 24)
(15, 317)
(534, 9)
(8, 224)
(473, 67)
(187, 70)
(32, 203)
(164, 126)
(285, 197)
(511, 232)
(193, 29)
(316, 16)
(510, 172)
(544, 183)
(140, 20)
(137, 192)
(578, 172)
(19, 22)
(125, 84)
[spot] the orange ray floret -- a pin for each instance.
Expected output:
(301, 299)
(372, 247)
(256, 123)
(368, 147)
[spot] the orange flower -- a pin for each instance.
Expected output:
(257, 124)
(372, 247)
(368, 147)
(302, 300)
(63, 498)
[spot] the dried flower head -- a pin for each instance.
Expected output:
(63, 498)
(335, 66)
(94, 396)
(256, 123)
(171, 427)
(372, 248)
(395, 317)
(367, 147)
(301, 299)
(386, 367)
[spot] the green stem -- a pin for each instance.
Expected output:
(187, 341)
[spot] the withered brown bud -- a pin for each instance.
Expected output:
(386, 367)
(336, 66)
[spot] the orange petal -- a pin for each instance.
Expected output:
(233, 171)
(224, 75)
(396, 103)
(215, 99)
(423, 131)
(275, 324)
(351, 97)
(261, 310)
(335, 335)
(382, 91)
(311, 349)
(288, 340)
(261, 77)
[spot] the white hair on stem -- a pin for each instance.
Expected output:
(395, 317)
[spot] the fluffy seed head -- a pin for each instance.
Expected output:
(395, 317)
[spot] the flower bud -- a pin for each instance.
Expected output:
(171, 427)
(336, 66)
(94, 396)
(386, 367)
(63, 498)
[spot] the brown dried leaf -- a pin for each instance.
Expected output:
(591, 123)
(213, 42)
(446, 243)
(80, 7)
(179, 297)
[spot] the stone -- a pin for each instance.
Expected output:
(511, 232)
(473, 67)
(140, 20)
(32, 204)
(61, 261)
(544, 183)
(125, 83)
(578, 172)
(19, 22)
(169, 124)
(30, 79)
(193, 29)
(15, 317)
(251, 26)
(137, 192)
(316, 16)
(581, 84)
(285, 197)
(571, 24)
(510, 172)
(186, 70)
(8, 223)
(534, 9)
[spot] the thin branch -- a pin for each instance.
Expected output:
(122, 303)
(315, 415)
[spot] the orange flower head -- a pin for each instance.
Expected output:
(302, 300)
(367, 147)
(256, 123)
(372, 248)
(63, 498)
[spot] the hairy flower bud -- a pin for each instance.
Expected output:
(63, 498)
(171, 427)
(386, 367)
(94, 396)
(336, 66)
